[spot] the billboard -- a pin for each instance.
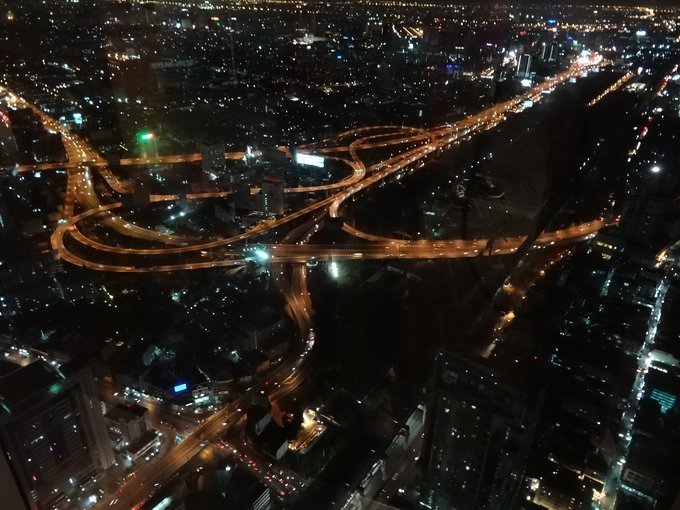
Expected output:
(180, 388)
(308, 159)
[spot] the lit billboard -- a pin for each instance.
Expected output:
(308, 159)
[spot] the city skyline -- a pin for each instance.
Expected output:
(350, 255)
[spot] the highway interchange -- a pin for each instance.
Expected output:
(410, 146)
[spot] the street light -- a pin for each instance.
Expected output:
(144, 138)
(334, 269)
(655, 169)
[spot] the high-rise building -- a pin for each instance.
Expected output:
(549, 52)
(52, 432)
(11, 495)
(212, 156)
(272, 195)
(523, 66)
(480, 431)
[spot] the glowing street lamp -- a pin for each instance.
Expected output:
(655, 169)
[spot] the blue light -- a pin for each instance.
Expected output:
(261, 254)
(338, 56)
(666, 400)
(180, 387)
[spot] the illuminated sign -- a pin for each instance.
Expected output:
(180, 388)
(308, 159)
(665, 400)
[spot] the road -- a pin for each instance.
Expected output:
(146, 479)
(416, 143)
(93, 159)
(409, 148)
(283, 380)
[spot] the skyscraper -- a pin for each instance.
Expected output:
(524, 66)
(480, 432)
(549, 51)
(272, 195)
(52, 433)
(212, 156)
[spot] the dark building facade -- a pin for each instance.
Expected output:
(480, 432)
(52, 431)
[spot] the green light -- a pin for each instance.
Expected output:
(145, 136)
(55, 388)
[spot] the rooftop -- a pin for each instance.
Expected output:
(143, 440)
(126, 412)
(29, 381)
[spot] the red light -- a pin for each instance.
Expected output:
(523, 32)
(534, 357)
